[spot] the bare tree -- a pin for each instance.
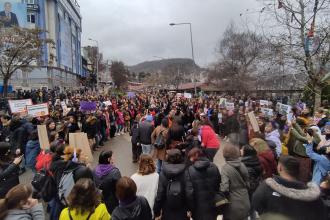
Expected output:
(119, 74)
(302, 30)
(238, 53)
(20, 49)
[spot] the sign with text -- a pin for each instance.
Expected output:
(263, 103)
(187, 95)
(267, 112)
(230, 106)
(222, 102)
(285, 109)
(43, 137)
(38, 110)
(19, 106)
(87, 106)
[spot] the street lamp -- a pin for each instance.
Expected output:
(97, 61)
(192, 51)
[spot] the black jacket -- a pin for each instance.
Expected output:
(202, 182)
(293, 200)
(135, 133)
(107, 184)
(18, 138)
(254, 168)
(137, 210)
(170, 172)
(8, 178)
(144, 132)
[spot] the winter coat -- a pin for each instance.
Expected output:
(159, 153)
(8, 178)
(106, 182)
(5, 133)
(90, 128)
(275, 137)
(321, 164)
(169, 172)
(202, 182)
(35, 213)
(100, 213)
(135, 133)
(209, 137)
(235, 184)
(231, 125)
(144, 132)
(139, 209)
(254, 168)
(31, 153)
(293, 200)
(268, 163)
(18, 139)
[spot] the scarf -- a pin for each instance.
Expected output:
(103, 169)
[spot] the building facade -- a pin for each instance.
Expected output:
(61, 63)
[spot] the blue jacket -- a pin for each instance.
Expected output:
(31, 153)
(321, 166)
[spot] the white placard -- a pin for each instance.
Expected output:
(187, 95)
(267, 111)
(223, 102)
(19, 106)
(38, 110)
(107, 103)
(230, 106)
(263, 103)
(285, 109)
(64, 106)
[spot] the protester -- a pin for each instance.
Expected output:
(32, 150)
(136, 146)
(209, 140)
(272, 134)
(146, 179)
(106, 176)
(170, 200)
(202, 181)
(144, 134)
(19, 204)
(288, 197)
(235, 184)
(130, 206)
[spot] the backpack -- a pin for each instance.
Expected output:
(66, 184)
(174, 194)
(159, 142)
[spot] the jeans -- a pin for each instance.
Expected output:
(146, 148)
(159, 165)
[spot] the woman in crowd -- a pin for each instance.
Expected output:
(120, 121)
(32, 150)
(160, 154)
(235, 184)
(170, 201)
(130, 206)
(19, 204)
(106, 176)
(136, 147)
(146, 179)
(202, 180)
(90, 127)
(84, 202)
(9, 171)
(272, 134)
(50, 126)
(266, 157)
(209, 139)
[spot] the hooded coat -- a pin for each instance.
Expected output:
(291, 199)
(235, 183)
(169, 172)
(139, 209)
(202, 182)
(268, 163)
(254, 169)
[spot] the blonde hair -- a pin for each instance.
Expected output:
(69, 153)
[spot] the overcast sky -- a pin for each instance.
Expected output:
(137, 30)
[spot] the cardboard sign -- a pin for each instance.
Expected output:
(187, 95)
(230, 106)
(87, 106)
(80, 140)
(254, 122)
(19, 106)
(263, 103)
(268, 112)
(43, 137)
(38, 110)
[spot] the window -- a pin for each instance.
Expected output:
(31, 18)
(29, 1)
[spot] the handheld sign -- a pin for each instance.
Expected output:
(19, 106)
(38, 110)
(43, 137)
(254, 122)
(263, 103)
(267, 112)
(80, 140)
(230, 106)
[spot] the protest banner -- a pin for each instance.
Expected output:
(87, 106)
(80, 140)
(254, 122)
(19, 106)
(230, 106)
(38, 110)
(187, 95)
(43, 137)
(268, 112)
(263, 103)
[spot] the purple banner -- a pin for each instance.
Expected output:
(87, 106)
(131, 94)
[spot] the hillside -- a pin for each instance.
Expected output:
(157, 66)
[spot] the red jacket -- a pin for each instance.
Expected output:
(209, 137)
(268, 163)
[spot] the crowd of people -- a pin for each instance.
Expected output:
(275, 169)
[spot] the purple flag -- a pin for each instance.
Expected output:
(87, 106)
